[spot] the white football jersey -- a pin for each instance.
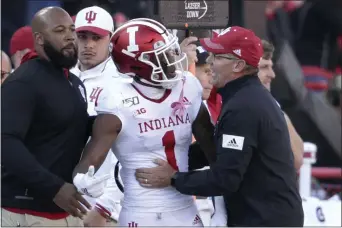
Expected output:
(150, 131)
(94, 80)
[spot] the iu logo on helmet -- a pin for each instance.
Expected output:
(90, 16)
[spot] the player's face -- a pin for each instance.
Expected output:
(204, 75)
(165, 59)
(93, 49)
(266, 73)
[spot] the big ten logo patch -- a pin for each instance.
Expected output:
(129, 102)
(94, 94)
(90, 16)
(139, 112)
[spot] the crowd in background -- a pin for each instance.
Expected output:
(312, 28)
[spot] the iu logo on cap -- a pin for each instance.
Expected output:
(90, 16)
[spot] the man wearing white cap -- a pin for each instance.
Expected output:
(94, 27)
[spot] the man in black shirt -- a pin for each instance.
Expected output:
(44, 129)
(254, 169)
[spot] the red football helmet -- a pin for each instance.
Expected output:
(144, 48)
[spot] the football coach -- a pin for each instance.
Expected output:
(254, 170)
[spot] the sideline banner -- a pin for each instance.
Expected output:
(197, 14)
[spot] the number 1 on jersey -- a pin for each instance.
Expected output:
(169, 143)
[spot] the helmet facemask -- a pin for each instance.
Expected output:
(167, 61)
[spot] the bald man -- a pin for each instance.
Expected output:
(55, 37)
(44, 129)
(6, 67)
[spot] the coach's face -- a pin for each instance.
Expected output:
(93, 49)
(223, 67)
(59, 40)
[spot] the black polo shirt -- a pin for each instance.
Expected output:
(255, 169)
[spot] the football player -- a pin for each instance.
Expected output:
(95, 65)
(154, 117)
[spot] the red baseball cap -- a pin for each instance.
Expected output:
(21, 40)
(241, 42)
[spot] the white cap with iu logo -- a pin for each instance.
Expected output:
(94, 19)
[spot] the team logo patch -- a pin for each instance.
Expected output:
(94, 94)
(233, 142)
(90, 16)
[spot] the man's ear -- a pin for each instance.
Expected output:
(39, 39)
(239, 66)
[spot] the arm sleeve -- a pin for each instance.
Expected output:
(237, 136)
(18, 106)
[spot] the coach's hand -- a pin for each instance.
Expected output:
(91, 185)
(157, 177)
(69, 199)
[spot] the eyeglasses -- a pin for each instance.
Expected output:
(4, 74)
